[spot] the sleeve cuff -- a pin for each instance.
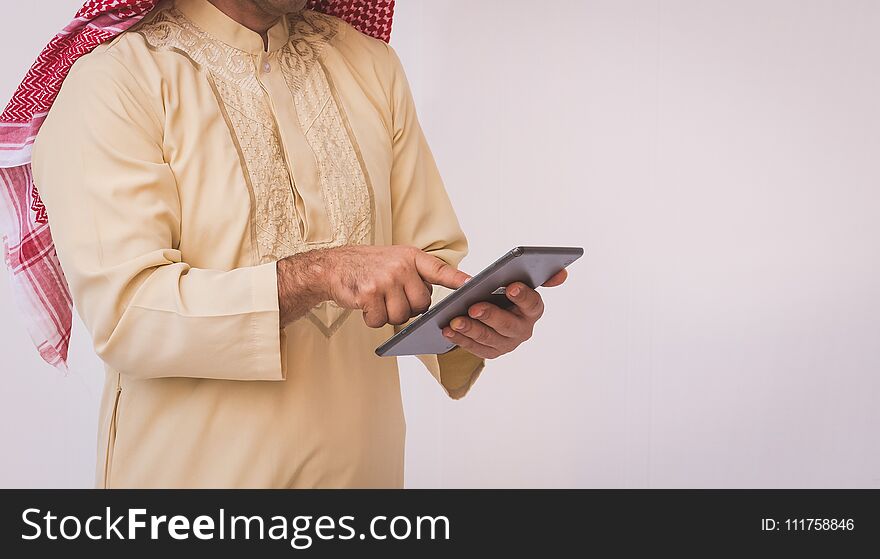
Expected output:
(268, 339)
(457, 371)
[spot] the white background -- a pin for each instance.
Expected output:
(718, 160)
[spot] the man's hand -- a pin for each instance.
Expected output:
(490, 331)
(389, 284)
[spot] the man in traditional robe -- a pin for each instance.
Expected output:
(244, 207)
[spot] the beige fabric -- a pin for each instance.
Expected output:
(178, 164)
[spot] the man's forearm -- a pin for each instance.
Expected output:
(301, 284)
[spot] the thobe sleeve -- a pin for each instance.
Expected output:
(422, 216)
(114, 211)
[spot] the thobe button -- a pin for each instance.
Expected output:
(267, 67)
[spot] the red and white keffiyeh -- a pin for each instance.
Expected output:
(38, 283)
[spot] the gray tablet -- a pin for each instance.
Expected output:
(530, 265)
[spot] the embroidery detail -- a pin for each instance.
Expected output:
(347, 196)
(344, 184)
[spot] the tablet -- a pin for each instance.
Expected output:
(530, 265)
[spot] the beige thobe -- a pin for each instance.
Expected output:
(180, 161)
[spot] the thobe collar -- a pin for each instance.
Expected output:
(224, 28)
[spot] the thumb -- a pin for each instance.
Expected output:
(436, 271)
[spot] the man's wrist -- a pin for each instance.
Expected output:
(315, 269)
(305, 280)
(302, 284)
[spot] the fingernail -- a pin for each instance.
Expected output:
(458, 324)
(448, 333)
(514, 291)
(480, 313)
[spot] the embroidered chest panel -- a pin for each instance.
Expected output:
(277, 227)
